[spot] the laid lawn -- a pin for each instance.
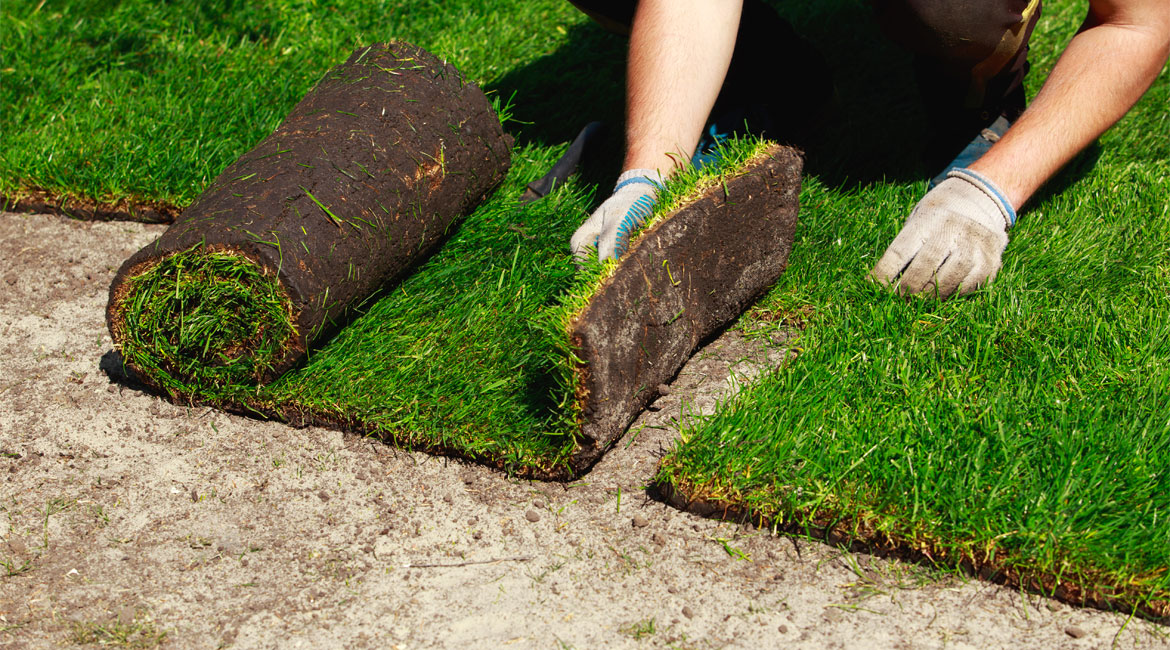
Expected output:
(1023, 432)
(1025, 429)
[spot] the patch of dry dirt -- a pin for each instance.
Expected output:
(124, 511)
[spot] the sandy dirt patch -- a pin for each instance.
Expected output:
(123, 512)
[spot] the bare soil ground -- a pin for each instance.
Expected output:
(125, 517)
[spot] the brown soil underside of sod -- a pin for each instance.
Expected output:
(363, 179)
(684, 280)
(835, 528)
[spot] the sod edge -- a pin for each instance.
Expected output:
(880, 535)
(40, 201)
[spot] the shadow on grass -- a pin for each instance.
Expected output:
(558, 94)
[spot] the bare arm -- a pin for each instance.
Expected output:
(679, 54)
(1105, 69)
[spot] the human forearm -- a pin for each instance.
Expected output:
(679, 53)
(1106, 68)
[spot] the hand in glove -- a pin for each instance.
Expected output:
(609, 228)
(952, 240)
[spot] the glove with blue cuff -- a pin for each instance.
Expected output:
(952, 241)
(609, 228)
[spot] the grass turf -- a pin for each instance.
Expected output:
(1030, 423)
(485, 371)
(1023, 432)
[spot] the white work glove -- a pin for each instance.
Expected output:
(609, 228)
(952, 240)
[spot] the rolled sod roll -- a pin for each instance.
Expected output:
(360, 182)
(686, 277)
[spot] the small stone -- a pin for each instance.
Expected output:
(688, 612)
(659, 539)
(194, 496)
(477, 534)
(448, 499)
(10, 278)
(111, 390)
(783, 629)
(323, 495)
(639, 521)
(532, 516)
(672, 589)
(538, 504)
(385, 531)
(663, 390)
(1075, 632)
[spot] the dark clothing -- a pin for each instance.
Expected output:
(970, 55)
(763, 36)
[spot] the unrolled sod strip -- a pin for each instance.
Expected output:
(362, 180)
(690, 274)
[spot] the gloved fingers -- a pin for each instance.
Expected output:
(922, 269)
(585, 238)
(616, 235)
(982, 273)
(952, 275)
(896, 258)
(613, 243)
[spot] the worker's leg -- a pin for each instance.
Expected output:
(970, 59)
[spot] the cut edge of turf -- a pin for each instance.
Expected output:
(736, 156)
(41, 201)
(884, 535)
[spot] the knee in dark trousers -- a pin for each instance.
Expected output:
(970, 57)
